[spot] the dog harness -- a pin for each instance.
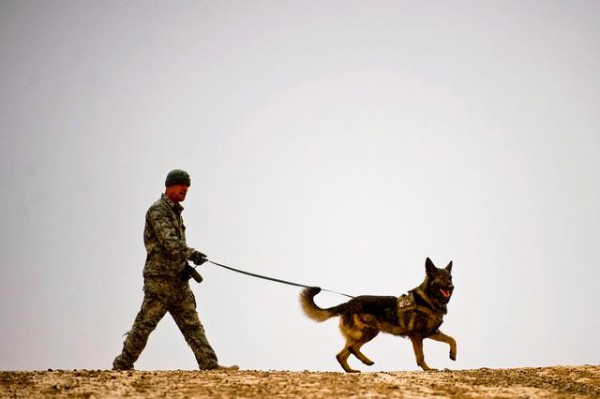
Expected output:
(408, 303)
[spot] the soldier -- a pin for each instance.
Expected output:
(166, 287)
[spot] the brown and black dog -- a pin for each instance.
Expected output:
(416, 315)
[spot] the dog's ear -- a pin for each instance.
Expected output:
(449, 267)
(430, 268)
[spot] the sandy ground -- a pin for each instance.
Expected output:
(545, 382)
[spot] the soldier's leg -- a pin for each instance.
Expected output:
(152, 311)
(186, 317)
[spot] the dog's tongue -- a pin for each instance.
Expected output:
(445, 293)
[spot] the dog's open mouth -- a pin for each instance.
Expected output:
(445, 293)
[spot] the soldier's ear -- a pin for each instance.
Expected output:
(449, 267)
(430, 268)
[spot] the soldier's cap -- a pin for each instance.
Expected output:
(178, 176)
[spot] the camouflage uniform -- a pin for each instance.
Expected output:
(164, 289)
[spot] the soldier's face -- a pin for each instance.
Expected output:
(177, 192)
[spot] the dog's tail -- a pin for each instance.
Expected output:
(311, 309)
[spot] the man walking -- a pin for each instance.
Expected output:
(166, 275)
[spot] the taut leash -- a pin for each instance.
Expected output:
(274, 279)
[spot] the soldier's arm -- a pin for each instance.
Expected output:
(166, 233)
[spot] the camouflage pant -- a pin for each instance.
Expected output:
(162, 295)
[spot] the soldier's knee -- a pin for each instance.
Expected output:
(193, 329)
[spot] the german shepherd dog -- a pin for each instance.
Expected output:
(416, 315)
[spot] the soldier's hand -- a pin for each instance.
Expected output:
(198, 258)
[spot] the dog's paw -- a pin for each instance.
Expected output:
(453, 356)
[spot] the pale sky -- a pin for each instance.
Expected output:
(332, 143)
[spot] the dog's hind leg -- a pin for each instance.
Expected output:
(342, 359)
(352, 335)
(355, 348)
(417, 343)
(441, 337)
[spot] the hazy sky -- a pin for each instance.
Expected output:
(333, 143)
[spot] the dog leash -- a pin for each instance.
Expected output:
(274, 279)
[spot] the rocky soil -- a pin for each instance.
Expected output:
(545, 382)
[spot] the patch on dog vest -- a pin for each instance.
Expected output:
(406, 302)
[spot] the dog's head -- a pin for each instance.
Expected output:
(439, 281)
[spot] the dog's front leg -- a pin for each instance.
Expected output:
(417, 343)
(441, 337)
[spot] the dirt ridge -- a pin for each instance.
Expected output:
(539, 382)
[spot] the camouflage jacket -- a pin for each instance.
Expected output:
(164, 238)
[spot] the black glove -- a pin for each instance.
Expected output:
(198, 258)
(189, 272)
